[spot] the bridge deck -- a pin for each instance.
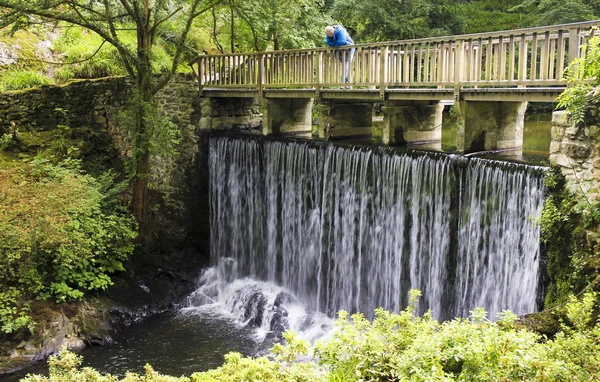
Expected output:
(548, 94)
(523, 64)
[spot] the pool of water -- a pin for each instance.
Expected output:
(176, 343)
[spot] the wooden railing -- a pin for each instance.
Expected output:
(532, 57)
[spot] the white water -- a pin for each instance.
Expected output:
(334, 227)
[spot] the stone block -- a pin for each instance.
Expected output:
(557, 132)
(561, 160)
(586, 175)
(576, 150)
(554, 147)
(561, 118)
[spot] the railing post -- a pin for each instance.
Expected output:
(318, 74)
(574, 51)
(200, 64)
(574, 35)
(261, 74)
(459, 64)
(383, 70)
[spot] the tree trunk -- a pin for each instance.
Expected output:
(142, 147)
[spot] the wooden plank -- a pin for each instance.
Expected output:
(488, 60)
(574, 49)
(427, 63)
(552, 59)
(479, 73)
(534, 55)
(501, 60)
(523, 51)
(511, 58)
(544, 58)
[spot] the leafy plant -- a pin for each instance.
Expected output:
(403, 347)
(60, 236)
(583, 76)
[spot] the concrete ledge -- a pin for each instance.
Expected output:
(290, 93)
(229, 93)
(511, 94)
(360, 95)
(419, 94)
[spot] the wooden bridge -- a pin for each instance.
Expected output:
(499, 70)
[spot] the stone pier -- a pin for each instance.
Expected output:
(287, 115)
(340, 119)
(412, 121)
(489, 125)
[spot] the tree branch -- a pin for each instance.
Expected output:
(157, 23)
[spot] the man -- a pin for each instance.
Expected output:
(337, 35)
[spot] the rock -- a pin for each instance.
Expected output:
(561, 118)
(576, 150)
(561, 160)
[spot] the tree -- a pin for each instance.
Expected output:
(112, 20)
(381, 20)
(268, 24)
(550, 12)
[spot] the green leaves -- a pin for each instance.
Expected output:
(60, 236)
(583, 76)
(402, 347)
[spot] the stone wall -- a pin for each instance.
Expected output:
(85, 103)
(91, 109)
(576, 148)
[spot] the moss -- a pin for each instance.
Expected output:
(544, 323)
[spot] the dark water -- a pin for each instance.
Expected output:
(174, 344)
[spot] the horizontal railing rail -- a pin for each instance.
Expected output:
(531, 57)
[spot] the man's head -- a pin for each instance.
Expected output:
(329, 30)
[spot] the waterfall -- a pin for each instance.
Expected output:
(355, 228)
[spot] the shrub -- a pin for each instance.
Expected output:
(403, 347)
(58, 238)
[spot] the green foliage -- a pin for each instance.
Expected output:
(285, 367)
(583, 75)
(551, 12)
(76, 44)
(161, 135)
(14, 316)
(571, 262)
(17, 80)
(492, 15)
(404, 347)
(91, 57)
(60, 236)
(10, 138)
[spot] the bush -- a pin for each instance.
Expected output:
(403, 347)
(17, 80)
(58, 237)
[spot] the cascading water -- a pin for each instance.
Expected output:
(353, 228)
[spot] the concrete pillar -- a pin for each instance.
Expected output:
(494, 125)
(287, 115)
(338, 119)
(410, 122)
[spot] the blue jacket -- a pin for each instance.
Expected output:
(340, 37)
